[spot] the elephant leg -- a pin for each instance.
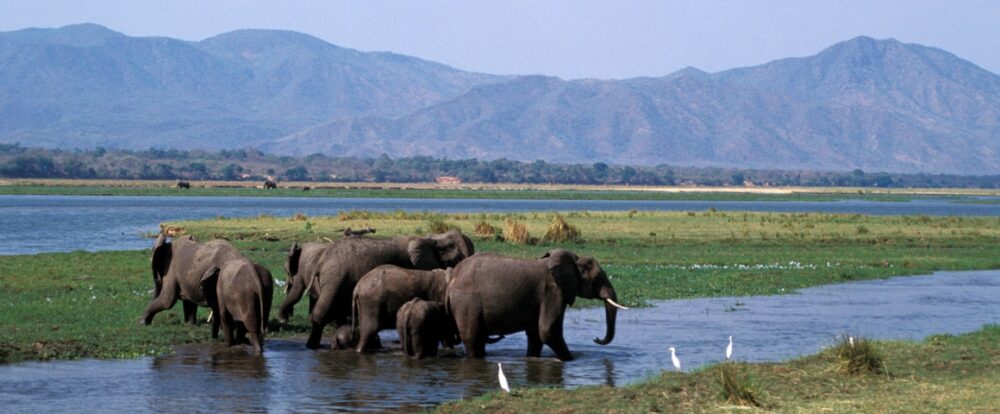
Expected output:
(367, 327)
(312, 304)
(190, 312)
(226, 320)
(287, 309)
(552, 336)
(319, 318)
(252, 326)
(534, 343)
(474, 339)
(216, 318)
(166, 300)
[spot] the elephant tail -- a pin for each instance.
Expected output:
(354, 313)
(405, 335)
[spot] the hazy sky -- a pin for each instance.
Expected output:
(569, 39)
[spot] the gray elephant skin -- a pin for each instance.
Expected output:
(178, 266)
(346, 260)
(302, 263)
(384, 290)
(236, 292)
(491, 294)
(422, 325)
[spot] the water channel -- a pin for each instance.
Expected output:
(288, 377)
(37, 224)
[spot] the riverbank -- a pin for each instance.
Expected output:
(470, 190)
(944, 373)
(79, 304)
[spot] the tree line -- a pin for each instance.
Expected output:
(250, 164)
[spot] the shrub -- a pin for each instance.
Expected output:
(515, 232)
(485, 231)
(858, 356)
(437, 225)
(559, 230)
(738, 389)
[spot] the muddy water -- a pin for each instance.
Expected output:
(290, 378)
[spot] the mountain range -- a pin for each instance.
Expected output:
(878, 105)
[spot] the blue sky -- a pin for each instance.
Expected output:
(569, 39)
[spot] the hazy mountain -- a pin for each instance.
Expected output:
(85, 85)
(863, 103)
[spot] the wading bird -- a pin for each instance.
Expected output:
(503, 378)
(673, 358)
(729, 349)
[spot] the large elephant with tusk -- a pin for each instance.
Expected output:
(497, 295)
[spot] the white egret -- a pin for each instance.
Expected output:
(503, 378)
(850, 340)
(729, 349)
(673, 358)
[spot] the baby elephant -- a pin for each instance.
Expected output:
(238, 300)
(422, 325)
(384, 290)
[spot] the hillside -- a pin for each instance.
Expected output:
(85, 86)
(863, 103)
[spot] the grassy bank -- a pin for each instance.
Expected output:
(470, 190)
(71, 305)
(942, 374)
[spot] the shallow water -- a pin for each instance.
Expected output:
(204, 378)
(37, 224)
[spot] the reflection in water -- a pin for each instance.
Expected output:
(215, 378)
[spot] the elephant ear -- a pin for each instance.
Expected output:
(292, 262)
(564, 273)
(160, 262)
(423, 253)
(453, 247)
(208, 283)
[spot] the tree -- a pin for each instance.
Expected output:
(298, 173)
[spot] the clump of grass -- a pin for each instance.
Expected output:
(858, 356)
(300, 217)
(437, 225)
(515, 232)
(559, 230)
(737, 388)
(485, 231)
(863, 230)
(354, 215)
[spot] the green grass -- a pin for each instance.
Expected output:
(71, 305)
(941, 374)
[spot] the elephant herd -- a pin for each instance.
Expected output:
(433, 289)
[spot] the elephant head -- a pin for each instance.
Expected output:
(160, 262)
(583, 276)
(440, 250)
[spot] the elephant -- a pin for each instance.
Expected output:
(383, 291)
(301, 261)
(178, 266)
(240, 303)
(491, 294)
(422, 324)
(270, 185)
(343, 338)
(346, 260)
(183, 184)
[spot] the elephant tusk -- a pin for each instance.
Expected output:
(210, 314)
(615, 304)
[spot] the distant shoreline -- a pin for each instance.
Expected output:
(357, 189)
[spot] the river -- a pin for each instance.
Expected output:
(288, 377)
(39, 224)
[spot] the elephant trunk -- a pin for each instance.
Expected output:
(610, 314)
